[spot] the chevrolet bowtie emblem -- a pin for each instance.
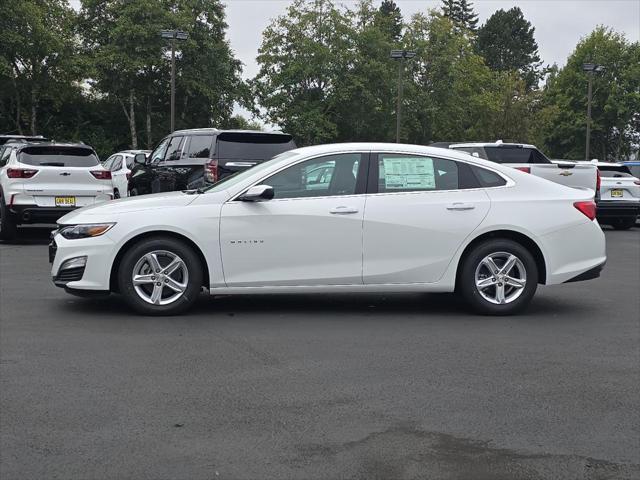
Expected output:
(565, 173)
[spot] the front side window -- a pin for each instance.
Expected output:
(175, 149)
(200, 146)
(320, 177)
(413, 173)
(158, 154)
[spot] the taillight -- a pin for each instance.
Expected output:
(101, 174)
(598, 180)
(211, 171)
(524, 169)
(588, 208)
(21, 172)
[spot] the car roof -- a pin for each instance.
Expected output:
(490, 144)
(215, 131)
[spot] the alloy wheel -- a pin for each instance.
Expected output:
(160, 277)
(500, 278)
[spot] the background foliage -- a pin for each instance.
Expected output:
(100, 74)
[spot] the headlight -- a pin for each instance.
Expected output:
(73, 232)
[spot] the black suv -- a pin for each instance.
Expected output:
(189, 159)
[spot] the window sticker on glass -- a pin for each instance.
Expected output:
(406, 173)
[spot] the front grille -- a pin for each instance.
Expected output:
(70, 275)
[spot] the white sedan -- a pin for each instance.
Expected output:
(120, 165)
(388, 218)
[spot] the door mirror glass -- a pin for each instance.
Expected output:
(140, 159)
(257, 193)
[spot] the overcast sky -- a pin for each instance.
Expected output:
(559, 24)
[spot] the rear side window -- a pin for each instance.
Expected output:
(508, 154)
(54, 156)
(412, 173)
(200, 146)
(252, 146)
(487, 178)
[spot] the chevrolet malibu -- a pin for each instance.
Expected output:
(338, 218)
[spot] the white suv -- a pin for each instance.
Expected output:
(40, 182)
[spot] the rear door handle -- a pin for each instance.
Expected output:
(342, 210)
(461, 206)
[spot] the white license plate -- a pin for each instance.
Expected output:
(616, 192)
(65, 201)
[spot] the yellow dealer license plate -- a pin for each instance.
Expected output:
(616, 192)
(65, 201)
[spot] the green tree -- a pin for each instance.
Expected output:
(461, 13)
(388, 19)
(303, 54)
(616, 100)
(38, 60)
(507, 42)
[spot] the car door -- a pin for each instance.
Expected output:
(118, 176)
(165, 178)
(421, 213)
(305, 235)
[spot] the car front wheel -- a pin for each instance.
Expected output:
(498, 277)
(160, 276)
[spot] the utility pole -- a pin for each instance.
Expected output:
(400, 55)
(173, 35)
(590, 68)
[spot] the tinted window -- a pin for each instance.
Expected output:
(514, 155)
(252, 146)
(58, 157)
(615, 171)
(320, 177)
(174, 150)
(200, 146)
(413, 173)
(158, 154)
(5, 152)
(487, 178)
(475, 151)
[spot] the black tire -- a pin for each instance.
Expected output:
(116, 193)
(623, 223)
(133, 192)
(8, 225)
(134, 256)
(466, 281)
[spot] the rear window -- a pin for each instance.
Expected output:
(510, 154)
(58, 157)
(615, 171)
(252, 146)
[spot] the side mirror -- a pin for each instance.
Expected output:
(140, 159)
(257, 193)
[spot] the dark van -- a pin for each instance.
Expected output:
(189, 159)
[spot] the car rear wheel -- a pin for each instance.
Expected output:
(623, 223)
(8, 226)
(133, 192)
(498, 277)
(160, 276)
(116, 194)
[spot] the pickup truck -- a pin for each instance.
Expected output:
(531, 160)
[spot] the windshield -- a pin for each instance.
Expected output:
(238, 177)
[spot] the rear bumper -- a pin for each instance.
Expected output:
(26, 214)
(617, 209)
(589, 274)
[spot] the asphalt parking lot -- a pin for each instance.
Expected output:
(349, 386)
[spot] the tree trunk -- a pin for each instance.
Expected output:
(132, 120)
(34, 111)
(18, 112)
(149, 140)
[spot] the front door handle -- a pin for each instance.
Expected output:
(461, 206)
(342, 210)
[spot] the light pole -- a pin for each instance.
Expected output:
(173, 35)
(400, 55)
(590, 68)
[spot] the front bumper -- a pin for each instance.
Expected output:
(617, 209)
(95, 276)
